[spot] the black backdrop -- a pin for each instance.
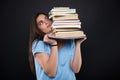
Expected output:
(100, 22)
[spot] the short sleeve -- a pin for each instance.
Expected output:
(38, 46)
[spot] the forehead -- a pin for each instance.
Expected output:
(41, 17)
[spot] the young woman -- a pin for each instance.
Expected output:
(52, 59)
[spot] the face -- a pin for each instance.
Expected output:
(43, 23)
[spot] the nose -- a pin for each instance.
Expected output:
(47, 22)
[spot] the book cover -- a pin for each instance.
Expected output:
(65, 7)
(66, 23)
(68, 33)
(64, 29)
(62, 14)
(63, 10)
(66, 38)
(65, 17)
(66, 26)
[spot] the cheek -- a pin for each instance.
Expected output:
(42, 28)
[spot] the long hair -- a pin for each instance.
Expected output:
(35, 33)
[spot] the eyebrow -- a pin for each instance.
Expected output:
(40, 21)
(45, 17)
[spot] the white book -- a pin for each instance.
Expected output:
(66, 26)
(66, 23)
(61, 7)
(75, 20)
(62, 10)
(61, 14)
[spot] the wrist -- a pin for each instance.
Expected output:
(54, 45)
(78, 44)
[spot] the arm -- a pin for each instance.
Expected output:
(49, 63)
(77, 60)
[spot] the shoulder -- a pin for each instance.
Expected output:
(37, 42)
(38, 46)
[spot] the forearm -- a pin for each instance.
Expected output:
(52, 62)
(77, 60)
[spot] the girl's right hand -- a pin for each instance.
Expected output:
(48, 40)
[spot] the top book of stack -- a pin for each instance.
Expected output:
(58, 13)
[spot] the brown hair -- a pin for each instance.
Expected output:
(35, 33)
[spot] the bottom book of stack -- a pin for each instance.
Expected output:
(67, 35)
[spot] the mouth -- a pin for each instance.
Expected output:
(49, 26)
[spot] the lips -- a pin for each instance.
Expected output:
(49, 25)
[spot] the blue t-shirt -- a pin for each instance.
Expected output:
(65, 55)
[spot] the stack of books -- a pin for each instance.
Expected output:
(66, 23)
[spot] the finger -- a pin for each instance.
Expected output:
(45, 38)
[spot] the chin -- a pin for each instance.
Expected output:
(50, 30)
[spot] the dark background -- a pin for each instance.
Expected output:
(100, 22)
